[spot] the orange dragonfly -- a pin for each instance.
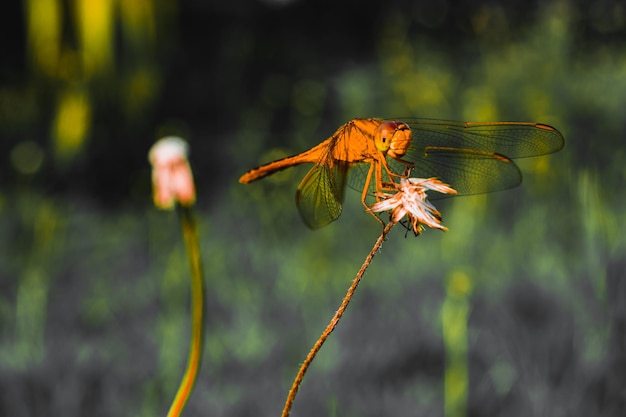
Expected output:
(371, 155)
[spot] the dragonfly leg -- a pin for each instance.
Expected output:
(392, 184)
(366, 188)
(391, 175)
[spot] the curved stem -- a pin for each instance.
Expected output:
(190, 233)
(333, 322)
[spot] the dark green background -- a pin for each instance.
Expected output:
(94, 280)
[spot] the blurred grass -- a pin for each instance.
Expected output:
(93, 306)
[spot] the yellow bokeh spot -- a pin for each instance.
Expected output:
(456, 385)
(425, 89)
(142, 85)
(72, 123)
(538, 102)
(137, 18)
(454, 320)
(480, 104)
(95, 23)
(44, 34)
(459, 284)
(542, 165)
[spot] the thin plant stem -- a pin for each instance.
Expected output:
(190, 233)
(334, 321)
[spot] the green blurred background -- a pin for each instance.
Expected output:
(518, 310)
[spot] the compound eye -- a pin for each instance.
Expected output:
(383, 136)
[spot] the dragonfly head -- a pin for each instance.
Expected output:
(393, 138)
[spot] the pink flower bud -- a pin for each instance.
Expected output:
(172, 180)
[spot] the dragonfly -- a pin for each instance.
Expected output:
(372, 154)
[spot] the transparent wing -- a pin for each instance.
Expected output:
(511, 139)
(357, 176)
(475, 157)
(468, 172)
(320, 194)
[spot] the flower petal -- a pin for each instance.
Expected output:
(411, 200)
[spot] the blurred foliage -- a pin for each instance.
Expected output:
(94, 281)
(454, 318)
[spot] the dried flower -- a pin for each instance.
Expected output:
(172, 180)
(410, 200)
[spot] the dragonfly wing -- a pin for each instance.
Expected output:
(320, 194)
(357, 175)
(475, 157)
(468, 172)
(512, 139)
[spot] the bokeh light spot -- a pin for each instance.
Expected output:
(27, 157)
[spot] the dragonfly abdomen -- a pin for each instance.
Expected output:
(310, 156)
